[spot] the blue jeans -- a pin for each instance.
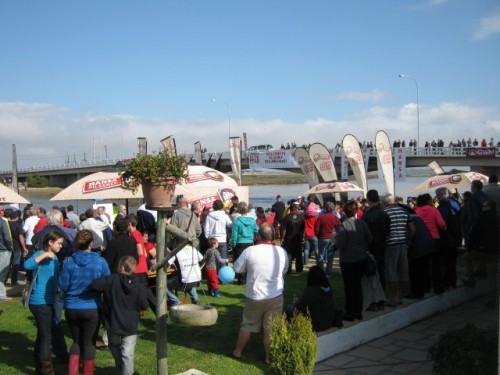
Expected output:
(43, 315)
(325, 253)
(310, 242)
(173, 284)
(123, 350)
(4, 270)
(58, 342)
(16, 263)
(329, 259)
(172, 299)
(223, 250)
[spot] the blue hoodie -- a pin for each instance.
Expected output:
(77, 272)
(244, 230)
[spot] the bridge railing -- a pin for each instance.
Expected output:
(410, 152)
(55, 167)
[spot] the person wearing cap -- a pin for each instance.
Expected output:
(292, 236)
(302, 203)
(6, 248)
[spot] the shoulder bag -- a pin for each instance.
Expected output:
(28, 288)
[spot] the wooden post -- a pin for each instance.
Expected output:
(161, 282)
(161, 295)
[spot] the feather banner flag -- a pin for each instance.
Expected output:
(384, 154)
(235, 156)
(354, 154)
(305, 163)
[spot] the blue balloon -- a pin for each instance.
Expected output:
(226, 275)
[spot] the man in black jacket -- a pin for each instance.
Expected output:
(120, 246)
(279, 209)
(378, 221)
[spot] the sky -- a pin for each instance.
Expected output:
(83, 80)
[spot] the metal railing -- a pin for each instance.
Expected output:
(437, 152)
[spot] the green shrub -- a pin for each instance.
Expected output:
(35, 180)
(465, 351)
(293, 346)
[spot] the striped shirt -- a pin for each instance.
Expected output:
(398, 229)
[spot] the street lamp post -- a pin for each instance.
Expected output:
(228, 114)
(418, 112)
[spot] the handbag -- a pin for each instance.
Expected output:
(369, 266)
(28, 288)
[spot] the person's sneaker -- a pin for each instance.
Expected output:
(216, 293)
(196, 302)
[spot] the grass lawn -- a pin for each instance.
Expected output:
(203, 348)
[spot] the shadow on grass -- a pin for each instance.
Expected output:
(17, 351)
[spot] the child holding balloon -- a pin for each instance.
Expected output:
(211, 259)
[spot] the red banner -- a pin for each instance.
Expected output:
(481, 152)
(109, 183)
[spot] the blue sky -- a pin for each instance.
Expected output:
(73, 73)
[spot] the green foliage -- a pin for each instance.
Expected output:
(159, 169)
(202, 348)
(465, 351)
(293, 346)
(35, 180)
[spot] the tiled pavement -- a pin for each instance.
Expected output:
(405, 351)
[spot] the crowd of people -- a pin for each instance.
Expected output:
(95, 268)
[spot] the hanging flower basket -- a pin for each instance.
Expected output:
(157, 195)
(157, 173)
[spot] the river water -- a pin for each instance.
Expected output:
(261, 195)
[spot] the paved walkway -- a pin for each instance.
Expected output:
(405, 351)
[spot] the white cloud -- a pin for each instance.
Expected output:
(488, 26)
(45, 133)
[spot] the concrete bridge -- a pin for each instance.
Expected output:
(64, 174)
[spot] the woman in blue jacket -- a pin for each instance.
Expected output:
(45, 265)
(82, 304)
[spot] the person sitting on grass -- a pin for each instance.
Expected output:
(124, 297)
(316, 301)
(212, 259)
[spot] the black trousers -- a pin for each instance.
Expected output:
(418, 269)
(449, 262)
(437, 278)
(352, 274)
(237, 251)
(295, 252)
(83, 325)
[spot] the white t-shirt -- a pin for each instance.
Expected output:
(188, 259)
(29, 227)
(265, 265)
